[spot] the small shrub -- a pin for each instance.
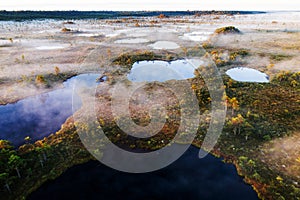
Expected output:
(235, 54)
(65, 30)
(161, 16)
(40, 79)
(227, 30)
(56, 70)
(69, 22)
(207, 45)
(5, 144)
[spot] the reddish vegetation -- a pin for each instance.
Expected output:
(161, 16)
(65, 30)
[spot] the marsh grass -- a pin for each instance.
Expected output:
(225, 57)
(280, 57)
(47, 80)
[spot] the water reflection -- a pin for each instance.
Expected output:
(164, 45)
(132, 41)
(161, 71)
(40, 115)
(197, 36)
(187, 178)
(244, 74)
(49, 47)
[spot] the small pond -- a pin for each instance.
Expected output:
(245, 74)
(4, 43)
(49, 47)
(161, 71)
(197, 36)
(88, 34)
(132, 41)
(187, 178)
(40, 115)
(164, 45)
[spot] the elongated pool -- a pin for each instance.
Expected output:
(39, 116)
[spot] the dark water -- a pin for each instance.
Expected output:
(187, 178)
(41, 115)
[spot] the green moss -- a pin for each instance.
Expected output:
(288, 79)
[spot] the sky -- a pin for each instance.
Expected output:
(133, 5)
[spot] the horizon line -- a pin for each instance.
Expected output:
(205, 10)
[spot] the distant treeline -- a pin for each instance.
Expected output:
(73, 15)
